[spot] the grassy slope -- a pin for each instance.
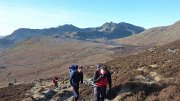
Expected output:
(154, 36)
(153, 75)
(48, 56)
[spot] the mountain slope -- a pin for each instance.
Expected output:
(22, 34)
(50, 55)
(155, 36)
(1, 37)
(108, 31)
(153, 75)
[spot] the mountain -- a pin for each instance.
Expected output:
(22, 34)
(154, 36)
(108, 30)
(1, 37)
(119, 28)
(111, 31)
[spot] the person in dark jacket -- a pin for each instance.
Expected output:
(81, 75)
(76, 77)
(101, 78)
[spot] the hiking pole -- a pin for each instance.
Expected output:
(92, 94)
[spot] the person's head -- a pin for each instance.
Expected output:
(56, 78)
(80, 69)
(74, 67)
(103, 70)
(98, 66)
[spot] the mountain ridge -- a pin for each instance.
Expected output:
(108, 30)
(155, 36)
(1, 37)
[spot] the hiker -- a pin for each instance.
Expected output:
(55, 81)
(76, 77)
(101, 78)
(80, 72)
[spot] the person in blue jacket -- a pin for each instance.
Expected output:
(76, 77)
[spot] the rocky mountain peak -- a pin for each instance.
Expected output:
(108, 27)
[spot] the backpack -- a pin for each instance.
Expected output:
(72, 68)
(103, 81)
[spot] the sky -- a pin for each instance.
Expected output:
(38, 14)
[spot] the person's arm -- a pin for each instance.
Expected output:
(82, 76)
(109, 79)
(71, 78)
(96, 78)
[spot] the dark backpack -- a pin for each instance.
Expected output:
(72, 68)
(74, 78)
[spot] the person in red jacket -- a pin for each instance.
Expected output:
(101, 79)
(55, 81)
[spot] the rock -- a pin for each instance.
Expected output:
(28, 99)
(154, 65)
(49, 93)
(140, 77)
(172, 51)
(151, 49)
(38, 97)
(10, 84)
(156, 77)
(3, 67)
(120, 96)
(41, 90)
(64, 87)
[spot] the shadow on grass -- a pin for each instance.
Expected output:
(135, 88)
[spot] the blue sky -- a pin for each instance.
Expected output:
(16, 14)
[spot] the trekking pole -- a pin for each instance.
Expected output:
(93, 92)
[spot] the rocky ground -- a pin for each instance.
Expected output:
(153, 75)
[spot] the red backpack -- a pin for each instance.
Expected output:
(102, 82)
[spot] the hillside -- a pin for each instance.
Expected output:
(46, 56)
(152, 75)
(138, 74)
(154, 36)
(108, 31)
(149, 76)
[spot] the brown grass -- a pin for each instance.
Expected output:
(125, 68)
